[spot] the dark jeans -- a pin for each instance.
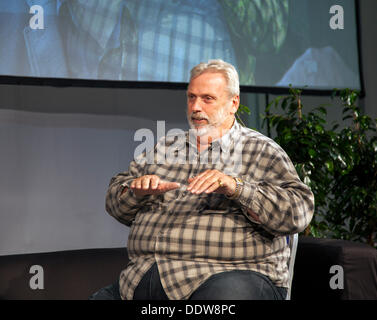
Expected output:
(230, 285)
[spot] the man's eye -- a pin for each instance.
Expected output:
(208, 98)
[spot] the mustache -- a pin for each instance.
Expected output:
(198, 116)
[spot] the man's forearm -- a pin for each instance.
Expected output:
(281, 210)
(120, 201)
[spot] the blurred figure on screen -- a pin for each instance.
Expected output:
(148, 40)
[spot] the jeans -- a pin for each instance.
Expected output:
(229, 285)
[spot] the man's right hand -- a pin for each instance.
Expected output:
(151, 185)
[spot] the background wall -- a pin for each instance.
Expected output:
(59, 147)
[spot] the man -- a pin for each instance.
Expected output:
(215, 226)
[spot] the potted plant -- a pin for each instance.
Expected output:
(339, 165)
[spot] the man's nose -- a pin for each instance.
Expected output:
(196, 106)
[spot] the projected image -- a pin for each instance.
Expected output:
(271, 42)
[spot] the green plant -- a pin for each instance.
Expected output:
(355, 183)
(340, 166)
(242, 109)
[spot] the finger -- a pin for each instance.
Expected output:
(167, 185)
(138, 183)
(145, 183)
(212, 188)
(210, 181)
(154, 182)
(203, 181)
(195, 179)
(171, 186)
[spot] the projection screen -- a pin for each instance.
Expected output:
(273, 43)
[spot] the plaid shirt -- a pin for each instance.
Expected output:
(192, 237)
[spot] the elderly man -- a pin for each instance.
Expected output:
(207, 228)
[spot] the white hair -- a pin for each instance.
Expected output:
(218, 65)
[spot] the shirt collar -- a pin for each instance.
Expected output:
(224, 142)
(228, 138)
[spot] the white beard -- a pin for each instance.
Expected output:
(202, 131)
(212, 126)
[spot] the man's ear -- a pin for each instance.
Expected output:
(235, 104)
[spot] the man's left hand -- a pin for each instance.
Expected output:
(212, 181)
